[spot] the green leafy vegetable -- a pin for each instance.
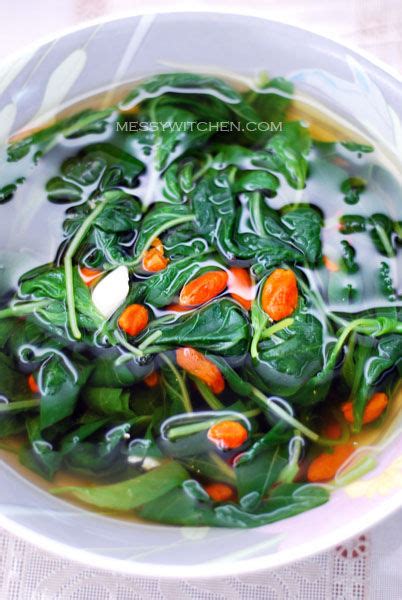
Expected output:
(209, 413)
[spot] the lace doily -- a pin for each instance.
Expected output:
(29, 573)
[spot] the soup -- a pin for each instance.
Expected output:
(200, 311)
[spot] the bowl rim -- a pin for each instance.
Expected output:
(206, 570)
(214, 569)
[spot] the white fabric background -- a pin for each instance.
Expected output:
(366, 568)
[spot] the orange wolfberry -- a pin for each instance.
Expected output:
(89, 276)
(330, 264)
(152, 379)
(325, 466)
(279, 294)
(33, 386)
(219, 492)
(195, 363)
(241, 287)
(203, 288)
(374, 408)
(227, 435)
(133, 319)
(157, 244)
(154, 259)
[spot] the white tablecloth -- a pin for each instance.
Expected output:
(366, 568)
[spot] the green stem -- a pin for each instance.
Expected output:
(123, 359)
(213, 402)
(151, 338)
(284, 415)
(257, 336)
(223, 466)
(185, 398)
(132, 349)
(289, 472)
(198, 174)
(366, 326)
(267, 333)
(185, 430)
(320, 304)
(255, 202)
(155, 349)
(19, 310)
(157, 233)
(384, 240)
(7, 407)
(356, 470)
(68, 267)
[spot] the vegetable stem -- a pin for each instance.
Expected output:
(223, 466)
(150, 339)
(157, 233)
(213, 402)
(284, 415)
(68, 267)
(270, 331)
(356, 470)
(6, 407)
(19, 310)
(384, 240)
(289, 472)
(132, 349)
(184, 430)
(185, 398)
(364, 326)
(257, 336)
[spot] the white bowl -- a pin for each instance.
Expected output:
(91, 59)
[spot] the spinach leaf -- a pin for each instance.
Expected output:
(60, 382)
(182, 241)
(30, 149)
(190, 83)
(348, 258)
(40, 456)
(214, 208)
(352, 188)
(160, 218)
(108, 373)
(60, 191)
(371, 367)
(257, 474)
(305, 224)
(43, 140)
(289, 358)
(127, 495)
(175, 390)
(272, 100)
(253, 180)
(102, 457)
(380, 227)
(49, 283)
(219, 327)
(108, 401)
(293, 237)
(13, 386)
(287, 152)
(87, 167)
(385, 282)
(184, 506)
(120, 215)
